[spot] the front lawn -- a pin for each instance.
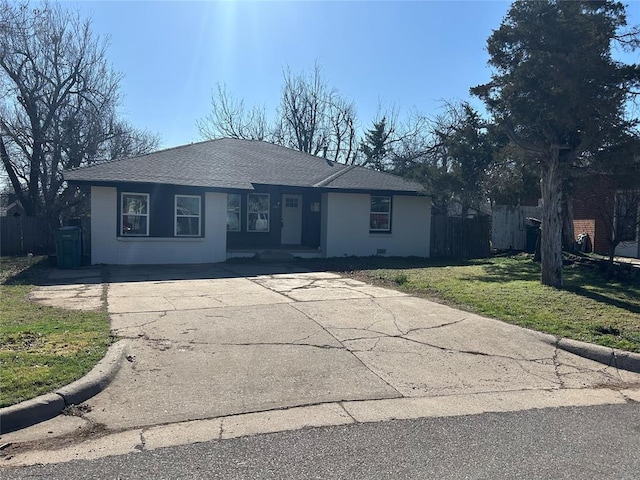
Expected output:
(42, 348)
(508, 288)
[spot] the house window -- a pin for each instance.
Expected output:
(258, 212)
(135, 214)
(291, 202)
(627, 216)
(380, 216)
(233, 212)
(187, 216)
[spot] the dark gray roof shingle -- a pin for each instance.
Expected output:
(233, 163)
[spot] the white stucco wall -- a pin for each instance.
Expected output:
(345, 226)
(108, 248)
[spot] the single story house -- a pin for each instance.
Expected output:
(210, 201)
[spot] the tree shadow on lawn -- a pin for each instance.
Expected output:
(609, 300)
(576, 277)
(17, 271)
(504, 272)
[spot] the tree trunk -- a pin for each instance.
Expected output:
(15, 181)
(612, 253)
(568, 235)
(551, 186)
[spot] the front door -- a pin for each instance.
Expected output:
(291, 219)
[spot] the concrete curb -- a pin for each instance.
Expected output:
(47, 406)
(611, 357)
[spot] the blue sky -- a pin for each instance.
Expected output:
(407, 54)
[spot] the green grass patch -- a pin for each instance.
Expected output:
(590, 308)
(42, 348)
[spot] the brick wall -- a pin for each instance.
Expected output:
(593, 203)
(585, 226)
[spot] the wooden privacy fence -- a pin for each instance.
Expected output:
(22, 235)
(456, 237)
(510, 229)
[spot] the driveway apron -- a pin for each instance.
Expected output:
(214, 341)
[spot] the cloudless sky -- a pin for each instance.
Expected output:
(412, 55)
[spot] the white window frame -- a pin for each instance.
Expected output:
(176, 215)
(388, 214)
(267, 212)
(291, 202)
(123, 214)
(622, 193)
(238, 211)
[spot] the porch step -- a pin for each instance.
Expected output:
(274, 256)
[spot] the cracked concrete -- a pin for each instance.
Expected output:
(80, 289)
(227, 352)
(77, 296)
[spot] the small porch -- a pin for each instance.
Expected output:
(274, 219)
(282, 253)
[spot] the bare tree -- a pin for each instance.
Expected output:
(229, 118)
(311, 118)
(406, 141)
(315, 119)
(303, 111)
(58, 100)
(450, 154)
(342, 140)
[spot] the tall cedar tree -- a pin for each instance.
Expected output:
(558, 94)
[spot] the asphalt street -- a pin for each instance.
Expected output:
(601, 442)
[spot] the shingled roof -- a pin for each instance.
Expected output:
(238, 164)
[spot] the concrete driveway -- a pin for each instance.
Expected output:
(229, 350)
(216, 342)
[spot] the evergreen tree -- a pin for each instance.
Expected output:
(375, 143)
(558, 94)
